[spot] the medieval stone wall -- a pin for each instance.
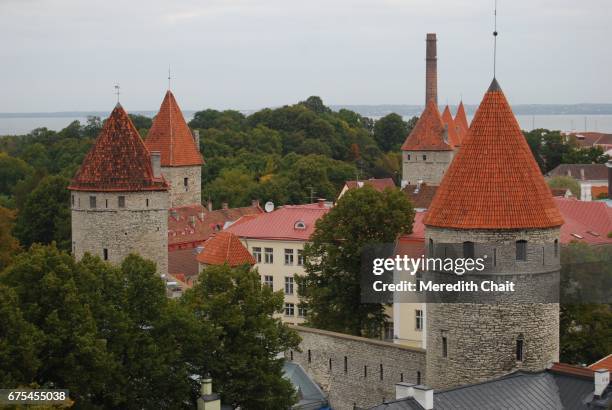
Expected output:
(355, 370)
(140, 227)
(430, 170)
(481, 339)
(179, 193)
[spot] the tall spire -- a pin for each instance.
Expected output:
(171, 136)
(494, 181)
(451, 127)
(495, 39)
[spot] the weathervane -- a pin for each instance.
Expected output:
(117, 92)
(494, 38)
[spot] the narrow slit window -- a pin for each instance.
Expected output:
(521, 250)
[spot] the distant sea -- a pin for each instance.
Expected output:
(544, 116)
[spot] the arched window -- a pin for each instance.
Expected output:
(521, 250)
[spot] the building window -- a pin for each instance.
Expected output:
(288, 285)
(401, 377)
(289, 309)
(520, 345)
(431, 248)
(106, 203)
(302, 310)
(147, 202)
(291, 355)
(300, 257)
(288, 256)
(330, 365)
(345, 364)
(365, 372)
(257, 254)
(269, 281)
(556, 247)
(424, 157)
(408, 157)
(121, 201)
(468, 249)
(418, 316)
(268, 255)
(309, 356)
(186, 183)
(418, 377)
(444, 346)
(105, 254)
(92, 202)
(388, 331)
(521, 250)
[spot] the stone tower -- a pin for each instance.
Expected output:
(426, 153)
(493, 201)
(119, 198)
(181, 160)
(431, 68)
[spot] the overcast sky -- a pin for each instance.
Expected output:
(60, 55)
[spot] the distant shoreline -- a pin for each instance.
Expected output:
(363, 109)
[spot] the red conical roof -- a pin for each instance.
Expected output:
(171, 136)
(118, 161)
(428, 134)
(453, 134)
(225, 247)
(461, 121)
(494, 181)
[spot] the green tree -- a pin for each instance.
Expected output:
(590, 155)
(45, 216)
(244, 363)
(141, 122)
(12, 170)
(565, 183)
(8, 244)
(390, 132)
(315, 104)
(232, 186)
(331, 286)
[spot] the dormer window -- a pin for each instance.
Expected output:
(299, 225)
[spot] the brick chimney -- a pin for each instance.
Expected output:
(431, 69)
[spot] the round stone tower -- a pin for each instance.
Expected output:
(181, 161)
(494, 204)
(119, 198)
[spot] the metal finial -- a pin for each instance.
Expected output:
(117, 91)
(169, 76)
(495, 39)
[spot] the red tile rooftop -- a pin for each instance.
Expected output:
(605, 363)
(428, 133)
(378, 184)
(118, 160)
(290, 222)
(494, 181)
(225, 247)
(452, 128)
(171, 136)
(585, 221)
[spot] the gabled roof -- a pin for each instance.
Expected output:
(420, 195)
(461, 121)
(171, 136)
(118, 160)
(494, 181)
(428, 134)
(290, 222)
(452, 127)
(584, 172)
(225, 247)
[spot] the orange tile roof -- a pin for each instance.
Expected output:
(225, 247)
(605, 363)
(494, 181)
(461, 121)
(118, 160)
(171, 136)
(452, 127)
(596, 191)
(428, 134)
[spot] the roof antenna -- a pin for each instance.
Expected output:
(495, 39)
(117, 92)
(169, 77)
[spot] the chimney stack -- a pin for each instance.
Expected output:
(422, 394)
(208, 400)
(255, 203)
(609, 165)
(431, 69)
(156, 163)
(602, 379)
(196, 138)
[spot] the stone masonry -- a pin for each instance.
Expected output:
(179, 193)
(426, 166)
(356, 370)
(481, 339)
(140, 227)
